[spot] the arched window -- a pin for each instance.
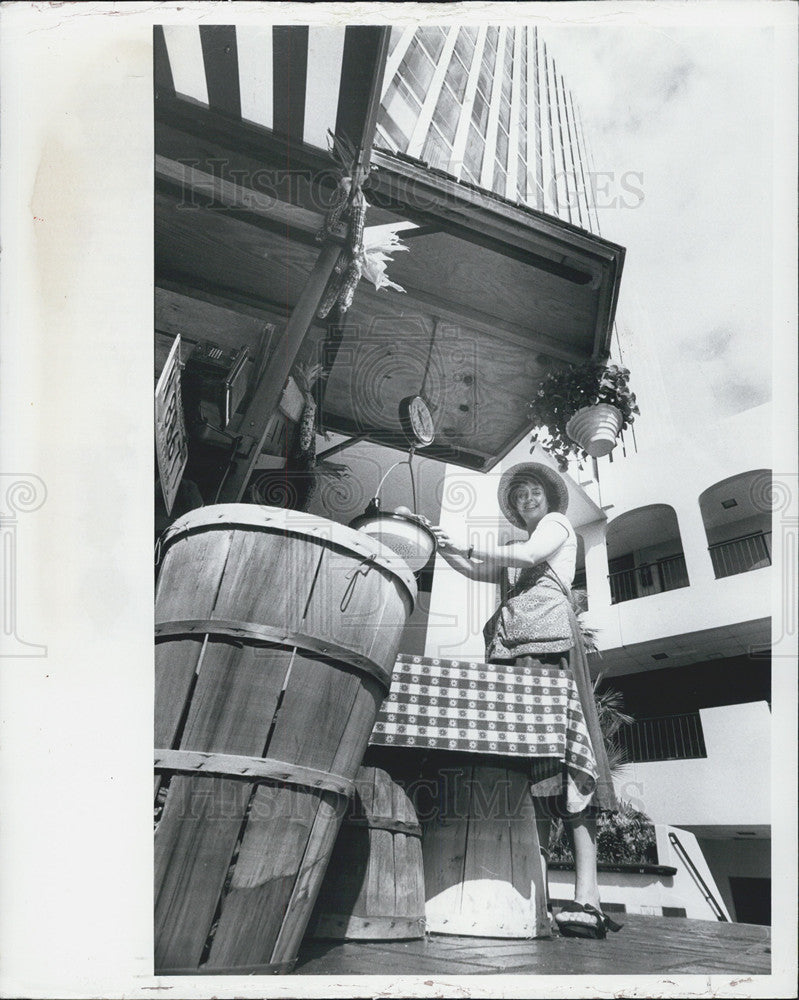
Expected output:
(645, 554)
(737, 516)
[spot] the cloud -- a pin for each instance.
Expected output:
(677, 80)
(687, 111)
(711, 345)
(735, 395)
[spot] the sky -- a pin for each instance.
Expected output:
(686, 113)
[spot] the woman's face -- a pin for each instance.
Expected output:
(529, 498)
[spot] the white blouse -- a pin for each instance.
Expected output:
(564, 559)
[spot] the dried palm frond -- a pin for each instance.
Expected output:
(589, 634)
(344, 154)
(379, 242)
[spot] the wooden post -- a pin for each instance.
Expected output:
(266, 396)
(372, 42)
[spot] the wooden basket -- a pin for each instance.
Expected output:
(374, 887)
(276, 636)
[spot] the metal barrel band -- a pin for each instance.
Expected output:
(348, 925)
(276, 637)
(385, 823)
(258, 769)
(270, 969)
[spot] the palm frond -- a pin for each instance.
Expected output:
(589, 634)
(306, 376)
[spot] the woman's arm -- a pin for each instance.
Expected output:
(463, 561)
(543, 543)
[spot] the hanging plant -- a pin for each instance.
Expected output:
(568, 401)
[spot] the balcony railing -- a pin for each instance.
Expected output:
(670, 737)
(742, 554)
(649, 578)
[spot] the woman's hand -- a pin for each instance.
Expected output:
(445, 544)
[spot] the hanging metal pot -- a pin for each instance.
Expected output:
(404, 533)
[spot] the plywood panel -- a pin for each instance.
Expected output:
(196, 319)
(212, 246)
(496, 284)
(478, 385)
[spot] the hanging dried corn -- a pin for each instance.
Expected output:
(357, 215)
(333, 287)
(337, 210)
(351, 278)
(306, 376)
(349, 206)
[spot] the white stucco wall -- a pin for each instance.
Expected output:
(727, 788)
(738, 859)
(677, 474)
(650, 893)
(458, 606)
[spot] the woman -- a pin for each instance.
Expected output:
(536, 625)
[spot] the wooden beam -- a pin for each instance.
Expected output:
(194, 183)
(387, 438)
(336, 448)
(266, 394)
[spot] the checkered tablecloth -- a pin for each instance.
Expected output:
(517, 710)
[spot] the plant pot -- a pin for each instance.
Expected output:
(595, 429)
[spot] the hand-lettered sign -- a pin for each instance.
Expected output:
(171, 443)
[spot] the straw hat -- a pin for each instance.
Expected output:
(554, 486)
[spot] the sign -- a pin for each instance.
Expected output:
(171, 442)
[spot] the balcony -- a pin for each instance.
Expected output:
(742, 554)
(648, 578)
(670, 737)
(737, 516)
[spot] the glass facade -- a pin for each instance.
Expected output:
(488, 105)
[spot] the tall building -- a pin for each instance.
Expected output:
(487, 105)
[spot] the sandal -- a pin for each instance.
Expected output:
(577, 928)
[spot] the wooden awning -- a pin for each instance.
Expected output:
(495, 293)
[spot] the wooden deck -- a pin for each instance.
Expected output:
(646, 946)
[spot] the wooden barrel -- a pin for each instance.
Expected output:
(374, 887)
(276, 635)
(482, 864)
